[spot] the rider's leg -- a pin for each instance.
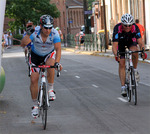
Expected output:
(135, 62)
(134, 56)
(122, 71)
(50, 71)
(34, 93)
(50, 78)
(34, 85)
(25, 51)
(122, 75)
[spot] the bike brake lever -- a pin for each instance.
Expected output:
(58, 71)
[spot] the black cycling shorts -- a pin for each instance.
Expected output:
(123, 44)
(37, 60)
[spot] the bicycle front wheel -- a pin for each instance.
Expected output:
(134, 90)
(127, 81)
(44, 107)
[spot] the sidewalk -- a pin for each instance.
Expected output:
(108, 53)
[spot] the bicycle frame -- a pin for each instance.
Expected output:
(129, 65)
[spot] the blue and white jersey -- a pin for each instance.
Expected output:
(41, 48)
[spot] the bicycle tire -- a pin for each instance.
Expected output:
(134, 91)
(128, 92)
(44, 107)
(127, 83)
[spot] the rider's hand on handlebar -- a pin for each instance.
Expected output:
(143, 54)
(58, 66)
(117, 57)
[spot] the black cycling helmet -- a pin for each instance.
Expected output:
(46, 21)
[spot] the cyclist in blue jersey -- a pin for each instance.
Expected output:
(127, 34)
(46, 47)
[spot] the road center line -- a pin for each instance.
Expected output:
(77, 76)
(123, 100)
(94, 85)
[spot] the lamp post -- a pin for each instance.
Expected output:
(85, 16)
(105, 26)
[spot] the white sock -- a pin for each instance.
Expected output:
(122, 86)
(50, 86)
(35, 102)
(135, 69)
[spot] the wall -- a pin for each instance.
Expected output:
(147, 19)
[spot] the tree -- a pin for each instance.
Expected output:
(90, 4)
(24, 10)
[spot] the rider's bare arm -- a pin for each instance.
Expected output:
(115, 48)
(58, 51)
(25, 41)
(141, 43)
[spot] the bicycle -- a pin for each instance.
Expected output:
(130, 81)
(43, 101)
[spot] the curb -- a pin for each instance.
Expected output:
(97, 53)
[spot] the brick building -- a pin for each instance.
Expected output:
(75, 15)
(61, 22)
(71, 15)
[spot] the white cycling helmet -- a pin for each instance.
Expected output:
(127, 19)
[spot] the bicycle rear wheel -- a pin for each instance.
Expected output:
(44, 107)
(134, 90)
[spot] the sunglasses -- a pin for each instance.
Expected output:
(47, 27)
(127, 25)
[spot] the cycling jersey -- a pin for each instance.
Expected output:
(126, 38)
(40, 48)
(131, 37)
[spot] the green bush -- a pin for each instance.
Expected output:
(17, 37)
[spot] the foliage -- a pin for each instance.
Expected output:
(90, 4)
(17, 36)
(24, 10)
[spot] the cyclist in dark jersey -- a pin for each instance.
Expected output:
(127, 34)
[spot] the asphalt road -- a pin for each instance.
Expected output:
(88, 98)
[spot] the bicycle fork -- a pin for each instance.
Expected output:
(130, 68)
(43, 80)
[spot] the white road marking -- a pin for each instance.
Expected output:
(77, 76)
(123, 100)
(65, 70)
(94, 85)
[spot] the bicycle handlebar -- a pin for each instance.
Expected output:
(130, 52)
(47, 66)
